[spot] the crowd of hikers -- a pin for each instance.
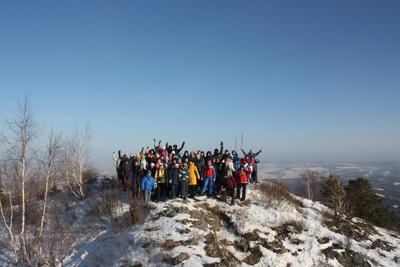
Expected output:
(169, 173)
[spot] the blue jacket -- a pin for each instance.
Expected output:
(236, 163)
(148, 183)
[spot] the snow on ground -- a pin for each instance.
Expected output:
(207, 231)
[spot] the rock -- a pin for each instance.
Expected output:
(170, 244)
(382, 245)
(176, 260)
(251, 236)
(337, 246)
(275, 246)
(151, 229)
(329, 252)
(227, 242)
(254, 257)
(184, 221)
(228, 261)
(243, 245)
(351, 258)
(296, 241)
(323, 240)
(182, 231)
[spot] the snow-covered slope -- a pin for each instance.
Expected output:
(209, 232)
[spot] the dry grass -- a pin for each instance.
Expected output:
(273, 193)
(298, 226)
(329, 219)
(136, 213)
(106, 204)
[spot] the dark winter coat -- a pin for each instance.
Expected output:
(174, 175)
(231, 182)
(184, 174)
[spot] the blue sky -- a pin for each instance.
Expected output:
(305, 80)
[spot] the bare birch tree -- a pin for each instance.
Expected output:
(49, 164)
(18, 139)
(76, 151)
(9, 226)
(310, 178)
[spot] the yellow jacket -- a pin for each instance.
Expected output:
(160, 176)
(193, 174)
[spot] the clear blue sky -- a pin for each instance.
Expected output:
(305, 80)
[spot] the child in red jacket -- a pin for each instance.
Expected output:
(241, 181)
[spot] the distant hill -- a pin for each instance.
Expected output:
(383, 176)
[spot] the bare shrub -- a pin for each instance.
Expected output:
(310, 179)
(34, 190)
(109, 202)
(58, 240)
(94, 209)
(33, 213)
(297, 225)
(136, 212)
(329, 219)
(90, 175)
(4, 200)
(273, 193)
(106, 205)
(54, 190)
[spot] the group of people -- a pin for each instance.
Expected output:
(169, 173)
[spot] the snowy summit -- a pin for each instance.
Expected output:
(276, 230)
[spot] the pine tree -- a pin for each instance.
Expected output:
(333, 191)
(364, 203)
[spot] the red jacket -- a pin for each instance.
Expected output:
(209, 172)
(241, 177)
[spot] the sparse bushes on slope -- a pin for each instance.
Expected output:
(356, 199)
(108, 204)
(273, 193)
